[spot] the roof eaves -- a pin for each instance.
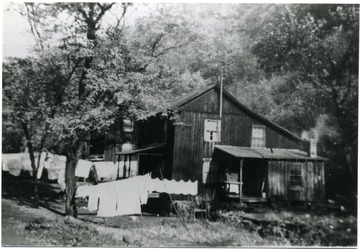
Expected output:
(248, 110)
(188, 98)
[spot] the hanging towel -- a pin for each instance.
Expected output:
(15, 172)
(43, 158)
(234, 188)
(4, 166)
(61, 178)
(121, 169)
(53, 174)
(122, 197)
(13, 161)
(83, 168)
(107, 193)
(84, 190)
(106, 171)
(128, 200)
(93, 200)
(16, 162)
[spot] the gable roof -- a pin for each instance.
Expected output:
(188, 98)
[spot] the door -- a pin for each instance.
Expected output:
(253, 177)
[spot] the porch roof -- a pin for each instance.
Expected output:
(141, 150)
(266, 153)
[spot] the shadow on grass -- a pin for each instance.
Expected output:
(21, 190)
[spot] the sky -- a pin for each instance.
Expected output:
(17, 40)
(16, 37)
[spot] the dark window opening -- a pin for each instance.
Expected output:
(296, 175)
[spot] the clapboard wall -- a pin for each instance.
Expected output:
(236, 127)
(313, 182)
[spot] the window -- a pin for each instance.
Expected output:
(258, 136)
(128, 125)
(296, 175)
(212, 129)
(126, 146)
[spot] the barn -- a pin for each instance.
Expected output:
(233, 153)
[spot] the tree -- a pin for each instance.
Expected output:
(319, 44)
(30, 97)
(102, 74)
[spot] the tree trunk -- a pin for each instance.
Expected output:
(32, 162)
(70, 179)
(36, 192)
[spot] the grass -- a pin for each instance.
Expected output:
(300, 228)
(27, 226)
(23, 225)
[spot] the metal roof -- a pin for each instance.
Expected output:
(266, 153)
(146, 149)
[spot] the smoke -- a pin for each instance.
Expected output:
(322, 128)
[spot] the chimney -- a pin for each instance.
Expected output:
(313, 148)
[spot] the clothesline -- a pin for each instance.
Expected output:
(125, 197)
(54, 164)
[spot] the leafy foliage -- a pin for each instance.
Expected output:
(319, 46)
(291, 63)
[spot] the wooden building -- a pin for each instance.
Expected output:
(232, 151)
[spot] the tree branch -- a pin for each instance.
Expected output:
(165, 50)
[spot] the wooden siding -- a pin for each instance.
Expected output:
(110, 154)
(186, 147)
(278, 181)
(210, 103)
(236, 126)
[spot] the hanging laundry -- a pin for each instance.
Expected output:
(59, 161)
(14, 166)
(174, 187)
(55, 165)
(106, 171)
(118, 197)
(61, 179)
(134, 169)
(84, 190)
(128, 200)
(4, 166)
(15, 172)
(40, 170)
(83, 168)
(142, 183)
(125, 197)
(91, 191)
(234, 188)
(93, 201)
(108, 198)
(53, 174)
(121, 169)
(17, 162)
(43, 158)
(13, 162)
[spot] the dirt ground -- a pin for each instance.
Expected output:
(23, 225)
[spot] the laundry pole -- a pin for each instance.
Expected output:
(221, 93)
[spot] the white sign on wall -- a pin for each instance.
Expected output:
(212, 130)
